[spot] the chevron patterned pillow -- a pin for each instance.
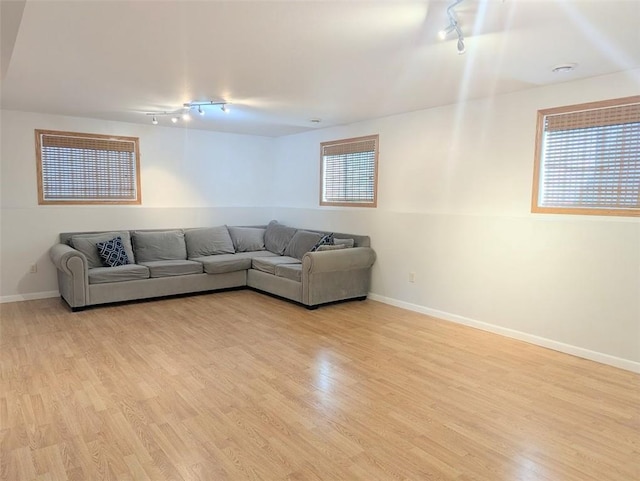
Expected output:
(112, 253)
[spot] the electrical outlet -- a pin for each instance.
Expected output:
(33, 268)
(412, 276)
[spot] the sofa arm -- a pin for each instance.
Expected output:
(335, 275)
(73, 276)
(339, 260)
(67, 259)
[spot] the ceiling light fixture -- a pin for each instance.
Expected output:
(184, 112)
(453, 27)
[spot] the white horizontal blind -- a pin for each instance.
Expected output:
(591, 159)
(349, 171)
(88, 169)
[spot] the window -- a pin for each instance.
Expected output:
(87, 168)
(588, 159)
(349, 172)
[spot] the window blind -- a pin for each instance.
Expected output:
(349, 172)
(590, 160)
(86, 168)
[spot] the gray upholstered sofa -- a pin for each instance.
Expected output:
(308, 267)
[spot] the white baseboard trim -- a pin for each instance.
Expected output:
(29, 296)
(512, 333)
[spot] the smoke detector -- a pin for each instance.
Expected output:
(564, 68)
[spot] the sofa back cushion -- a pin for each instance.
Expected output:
(159, 245)
(247, 239)
(301, 243)
(277, 237)
(86, 243)
(208, 241)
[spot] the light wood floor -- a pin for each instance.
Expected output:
(238, 385)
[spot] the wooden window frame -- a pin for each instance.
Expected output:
(540, 128)
(88, 201)
(376, 139)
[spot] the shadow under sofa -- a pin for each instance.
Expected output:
(289, 270)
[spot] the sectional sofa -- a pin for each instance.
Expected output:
(306, 266)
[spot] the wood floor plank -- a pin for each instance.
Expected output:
(242, 386)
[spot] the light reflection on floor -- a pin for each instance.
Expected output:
(324, 368)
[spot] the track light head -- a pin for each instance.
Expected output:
(186, 116)
(461, 47)
(154, 120)
(200, 111)
(225, 108)
(442, 34)
(174, 119)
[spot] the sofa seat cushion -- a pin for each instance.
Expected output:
(129, 272)
(222, 263)
(172, 268)
(268, 264)
(289, 271)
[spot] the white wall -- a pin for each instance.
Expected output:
(189, 178)
(454, 207)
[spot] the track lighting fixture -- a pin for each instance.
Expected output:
(184, 113)
(453, 27)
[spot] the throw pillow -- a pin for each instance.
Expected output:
(208, 241)
(112, 253)
(344, 242)
(277, 237)
(302, 242)
(331, 248)
(247, 239)
(327, 240)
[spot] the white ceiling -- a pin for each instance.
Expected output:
(283, 63)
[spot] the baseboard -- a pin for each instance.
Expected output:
(30, 296)
(512, 333)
